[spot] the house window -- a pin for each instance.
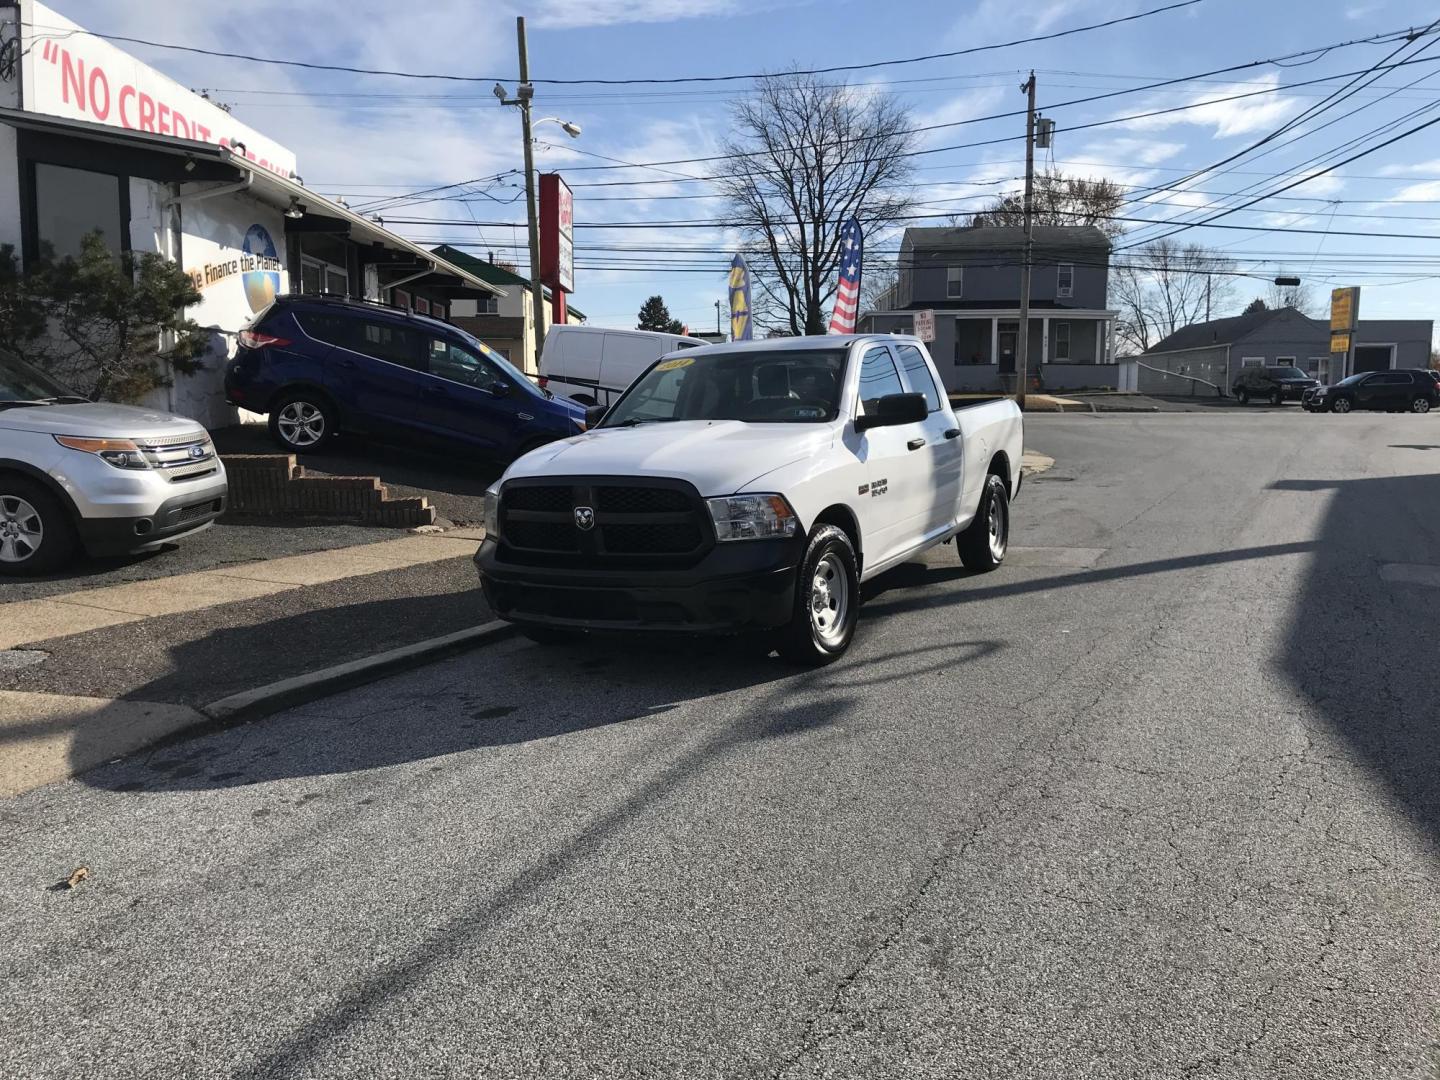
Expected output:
(318, 277)
(1314, 365)
(955, 282)
(69, 204)
(400, 298)
(1281, 361)
(337, 282)
(437, 310)
(1065, 280)
(422, 305)
(1062, 340)
(487, 305)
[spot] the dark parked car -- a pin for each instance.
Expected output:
(1406, 390)
(1272, 384)
(324, 365)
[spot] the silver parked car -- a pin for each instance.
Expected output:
(108, 479)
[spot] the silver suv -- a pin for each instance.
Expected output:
(111, 479)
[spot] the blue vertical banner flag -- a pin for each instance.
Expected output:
(741, 329)
(847, 293)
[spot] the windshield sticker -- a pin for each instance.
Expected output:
(678, 362)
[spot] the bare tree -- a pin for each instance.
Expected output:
(1058, 200)
(877, 288)
(805, 156)
(1164, 286)
(1301, 297)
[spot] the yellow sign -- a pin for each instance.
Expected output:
(1343, 303)
(678, 362)
(1340, 343)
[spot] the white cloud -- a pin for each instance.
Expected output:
(1244, 116)
(963, 107)
(1417, 192)
(1417, 168)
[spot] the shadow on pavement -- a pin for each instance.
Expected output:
(1362, 648)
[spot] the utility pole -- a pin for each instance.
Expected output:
(1208, 279)
(718, 330)
(1023, 349)
(523, 93)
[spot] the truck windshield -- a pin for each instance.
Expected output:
(781, 386)
(20, 382)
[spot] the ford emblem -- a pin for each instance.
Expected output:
(584, 518)
(197, 452)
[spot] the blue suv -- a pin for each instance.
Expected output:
(325, 365)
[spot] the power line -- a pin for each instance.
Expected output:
(312, 66)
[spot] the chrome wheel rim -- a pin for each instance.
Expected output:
(1342, 405)
(301, 423)
(998, 525)
(1422, 405)
(21, 529)
(829, 601)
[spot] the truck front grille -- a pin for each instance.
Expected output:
(659, 522)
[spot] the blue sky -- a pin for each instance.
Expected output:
(411, 135)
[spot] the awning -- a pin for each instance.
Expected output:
(175, 160)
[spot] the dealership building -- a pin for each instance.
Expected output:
(93, 139)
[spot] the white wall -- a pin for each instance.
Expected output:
(233, 247)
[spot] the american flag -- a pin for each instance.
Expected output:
(847, 295)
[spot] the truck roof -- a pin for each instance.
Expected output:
(814, 341)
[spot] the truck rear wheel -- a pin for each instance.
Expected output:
(983, 544)
(827, 600)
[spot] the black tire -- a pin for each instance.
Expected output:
(1274, 397)
(302, 422)
(822, 624)
(37, 534)
(1341, 405)
(983, 544)
(552, 635)
(1243, 396)
(1420, 405)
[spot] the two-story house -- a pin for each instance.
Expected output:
(970, 278)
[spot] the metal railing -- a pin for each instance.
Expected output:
(1192, 379)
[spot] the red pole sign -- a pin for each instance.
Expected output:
(557, 244)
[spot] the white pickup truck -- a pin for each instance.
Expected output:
(750, 487)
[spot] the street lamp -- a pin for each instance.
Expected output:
(524, 91)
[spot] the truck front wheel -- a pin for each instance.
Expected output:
(983, 543)
(827, 600)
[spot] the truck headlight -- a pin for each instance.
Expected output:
(752, 517)
(121, 453)
(492, 513)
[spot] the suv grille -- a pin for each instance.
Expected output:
(180, 457)
(659, 520)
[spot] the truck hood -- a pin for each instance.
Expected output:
(719, 457)
(96, 419)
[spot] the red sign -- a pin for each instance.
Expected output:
(557, 222)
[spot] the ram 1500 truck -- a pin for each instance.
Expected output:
(750, 487)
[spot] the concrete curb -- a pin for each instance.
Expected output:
(264, 700)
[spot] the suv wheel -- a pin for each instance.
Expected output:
(36, 534)
(302, 422)
(1420, 405)
(1274, 397)
(1340, 405)
(1243, 396)
(827, 600)
(983, 543)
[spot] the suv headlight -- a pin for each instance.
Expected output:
(752, 517)
(121, 453)
(492, 513)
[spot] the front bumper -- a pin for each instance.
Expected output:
(174, 518)
(736, 587)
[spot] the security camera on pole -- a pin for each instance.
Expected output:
(524, 91)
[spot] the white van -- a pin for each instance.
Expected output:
(594, 366)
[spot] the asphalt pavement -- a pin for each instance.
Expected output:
(1158, 798)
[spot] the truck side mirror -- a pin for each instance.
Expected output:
(892, 410)
(594, 414)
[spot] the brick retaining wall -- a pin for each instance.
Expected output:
(273, 485)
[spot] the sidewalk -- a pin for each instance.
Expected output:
(89, 675)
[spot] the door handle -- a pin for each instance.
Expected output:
(953, 433)
(915, 444)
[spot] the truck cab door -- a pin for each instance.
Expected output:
(894, 507)
(943, 447)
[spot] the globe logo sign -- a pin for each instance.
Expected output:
(262, 283)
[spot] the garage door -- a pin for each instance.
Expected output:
(1372, 358)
